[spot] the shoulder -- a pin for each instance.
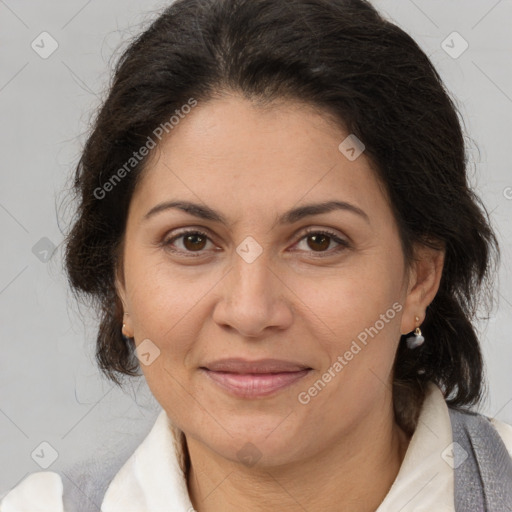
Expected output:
(80, 485)
(40, 491)
(505, 432)
(471, 419)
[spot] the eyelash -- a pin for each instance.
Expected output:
(343, 243)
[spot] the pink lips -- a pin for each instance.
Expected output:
(254, 379)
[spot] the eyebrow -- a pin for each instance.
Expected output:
(294, 215)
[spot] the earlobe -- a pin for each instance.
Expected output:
(127, 331)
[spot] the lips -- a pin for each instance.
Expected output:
(238, 365)
(254, 379)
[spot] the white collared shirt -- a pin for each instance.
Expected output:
(151, 479)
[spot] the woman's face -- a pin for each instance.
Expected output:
(256, 285)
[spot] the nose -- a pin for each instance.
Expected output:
(254, 299)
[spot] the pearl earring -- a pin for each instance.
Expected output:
(124, 326)
(417, 339)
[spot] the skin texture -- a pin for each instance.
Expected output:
(299, 301)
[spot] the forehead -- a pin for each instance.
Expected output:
(236, 156)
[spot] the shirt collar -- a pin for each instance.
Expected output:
(425, 480)
(152, 478)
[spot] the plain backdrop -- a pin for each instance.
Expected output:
(50, 389)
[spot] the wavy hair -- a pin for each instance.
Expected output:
(343, 57)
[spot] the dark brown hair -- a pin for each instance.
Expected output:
(344, 58)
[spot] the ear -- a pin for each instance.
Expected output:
(424, 281)
(121, 293)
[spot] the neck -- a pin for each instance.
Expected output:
(336, 479)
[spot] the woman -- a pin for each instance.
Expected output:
(275, 220)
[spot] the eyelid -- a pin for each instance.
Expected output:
(342, 241)
(166, 241)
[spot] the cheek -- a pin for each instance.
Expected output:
(166, 310)
(168, 306)
(360, 311)
(353, 298)
(160, 295)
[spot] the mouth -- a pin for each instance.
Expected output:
(254, 379)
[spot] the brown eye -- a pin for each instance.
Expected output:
(319, 242)
(191, 241)
(194, 242)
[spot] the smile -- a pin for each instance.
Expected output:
(254, 385)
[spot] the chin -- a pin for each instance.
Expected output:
(256, 442)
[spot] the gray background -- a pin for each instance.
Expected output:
(50, 389)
